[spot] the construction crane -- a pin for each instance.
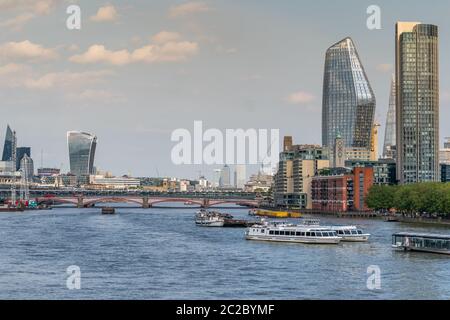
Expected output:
(13, 172)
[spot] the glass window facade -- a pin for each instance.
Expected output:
(417, 103)
(348, 105)
(8, 146)
(389, 135)
(82, 147)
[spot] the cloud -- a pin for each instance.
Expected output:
(37, 6)
(188, 8)
(300, 97)
(67, 79)
(14, 75)
(97, 96)
(166, 36)
(26, 50)
(104, 14)
(385, 67)
(17, 22)
(166, 48)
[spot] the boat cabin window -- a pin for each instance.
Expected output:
(347, 232)
(360, 232)
(270, 232)
(308, 234)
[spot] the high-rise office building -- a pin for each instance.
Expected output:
(417, 104)
(374, 142)
(444, 154)
(240, 176)
(82, 147)
(296, 168)
(389, 133)
(20, 153)
(225, 176)
(9, 145)
(27, 167)
(348, 105)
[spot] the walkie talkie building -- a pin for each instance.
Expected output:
(82, 147)
(348, 105)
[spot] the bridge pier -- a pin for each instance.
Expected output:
(80, 203)
(205, 203)
(145, 203)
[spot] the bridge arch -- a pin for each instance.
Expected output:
(152, 202)
(92, 202)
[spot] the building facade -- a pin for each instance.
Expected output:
(445, 172)
(27, 168)
(417, 104)
(297, 166)
(225, 177)
(389, 149)
(82, 147)
(240, 176)
(9, 145)
(342, 190)
(348, 105)
(20, 153)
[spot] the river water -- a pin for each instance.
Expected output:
(161, 254)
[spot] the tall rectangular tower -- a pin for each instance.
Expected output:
(417, 102)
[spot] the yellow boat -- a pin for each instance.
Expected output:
(277, 214)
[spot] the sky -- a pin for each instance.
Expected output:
(138, 70)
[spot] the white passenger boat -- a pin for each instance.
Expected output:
(282, 232)
(351, 233)
(209, 219)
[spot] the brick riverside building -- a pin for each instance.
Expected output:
(342, 192)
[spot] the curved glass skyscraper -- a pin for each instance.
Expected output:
(82, 147)
(348, 105)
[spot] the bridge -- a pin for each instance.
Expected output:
(145, 202)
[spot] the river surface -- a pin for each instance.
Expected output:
(161, 254)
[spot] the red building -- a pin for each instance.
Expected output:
(362, 182)
(342, 192)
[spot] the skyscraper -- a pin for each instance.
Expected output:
(20, 153)
(27, 167)
(82, 147)
(417, 85)
(225, 175)
(240, 176)
(348, 105)
(9, 145)
(389, 134)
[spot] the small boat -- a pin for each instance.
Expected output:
(234, 223)
(422, 242)
(351, 233)
(282, 232)
(391, 219)
(108, 210)
(209, 219)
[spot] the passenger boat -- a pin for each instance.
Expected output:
(351, 233)
(347, 233)
(423, 242)
(209, 219)
(282, 232)
(276, 214)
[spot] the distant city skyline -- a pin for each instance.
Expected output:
(264, 70)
